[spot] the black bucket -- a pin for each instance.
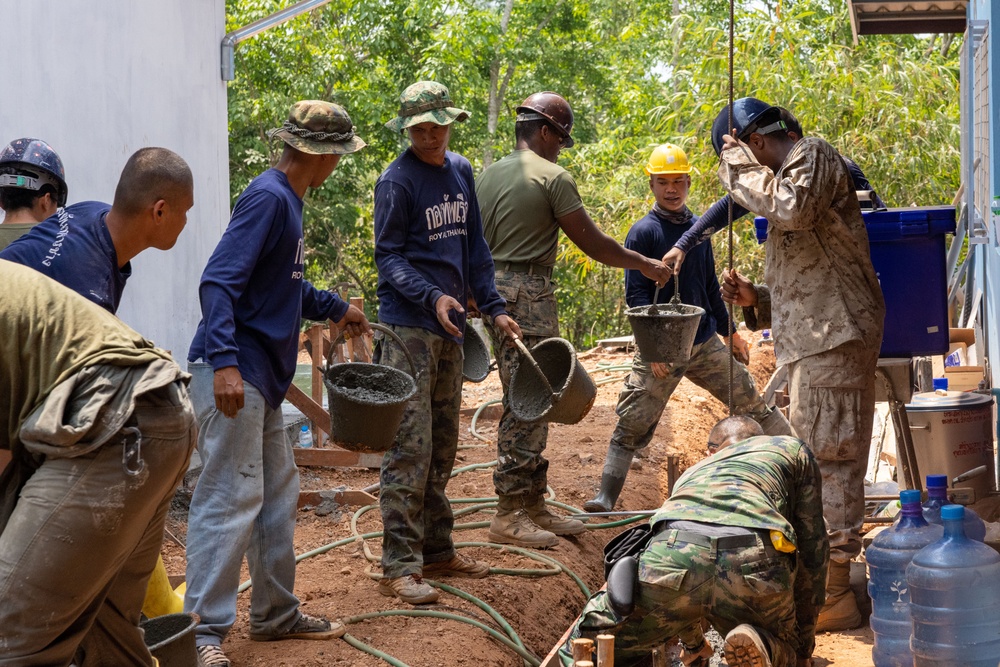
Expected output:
(574, 391)
(476, 365)
(664, 333)
(170, 639)
(367, 401)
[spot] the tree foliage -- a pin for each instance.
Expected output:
(638, 74)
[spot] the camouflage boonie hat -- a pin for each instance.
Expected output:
(425, 102)
(319, 128)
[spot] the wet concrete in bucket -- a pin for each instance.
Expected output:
(371, 384)
(530, 398)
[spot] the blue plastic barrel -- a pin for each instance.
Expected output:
(955, 599)
(937, 497)
(887, 557)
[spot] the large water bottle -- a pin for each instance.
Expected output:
(887, 558)
(955, 599)
(937, 497)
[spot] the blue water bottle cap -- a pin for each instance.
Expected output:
(937, 481)
(304, 428)
(909, 496)
(940, 383)
(766, 333)
(952, 512)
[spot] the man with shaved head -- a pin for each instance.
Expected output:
(88, 246)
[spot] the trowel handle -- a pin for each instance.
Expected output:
(527, 355)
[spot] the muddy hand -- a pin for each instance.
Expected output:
(737, 290)
(507, 325)
(354, 322)
(228, 386)
(656, 271)
(442, 309)
(673, 259)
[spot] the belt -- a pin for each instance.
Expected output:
(530, 268)
(724, 543)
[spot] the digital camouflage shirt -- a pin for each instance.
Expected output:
(818, 265)
(763, 483)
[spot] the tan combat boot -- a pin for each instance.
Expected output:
(542, 517)
(841, 609)
(512, 525)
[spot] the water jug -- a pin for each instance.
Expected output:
(887, 558)
(305, 437)
(954, 588)
(937, 497)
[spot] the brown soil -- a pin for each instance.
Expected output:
(540, 609)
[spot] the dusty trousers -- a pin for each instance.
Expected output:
(83, 538)
(832, 409)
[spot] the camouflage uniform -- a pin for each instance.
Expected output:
(416, 514)
(644, 395)
(761, 485)
(825, 306)
(531, 301)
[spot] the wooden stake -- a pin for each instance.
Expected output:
(583, 663)
(583, 649)
(605, 651)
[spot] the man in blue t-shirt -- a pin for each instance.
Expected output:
(432, 258)
(242, 359)
(649, 386)
(88, 246)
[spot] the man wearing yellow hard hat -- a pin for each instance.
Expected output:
(649, 386)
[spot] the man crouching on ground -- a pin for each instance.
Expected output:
(740, 543)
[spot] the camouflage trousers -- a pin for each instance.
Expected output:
(416, 517)
(681, 583)
(644, 396)
(531, 302)
(832, 409)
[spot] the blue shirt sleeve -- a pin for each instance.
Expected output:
(718, 306)
(714, 219)
(319, 305)
(392, 206)
(225, 278)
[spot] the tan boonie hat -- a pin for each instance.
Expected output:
(425, 102)
(319, 128)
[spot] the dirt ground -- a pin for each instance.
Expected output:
(334, 584)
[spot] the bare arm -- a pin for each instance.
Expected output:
(585, 233)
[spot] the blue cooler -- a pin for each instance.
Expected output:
(908, 253)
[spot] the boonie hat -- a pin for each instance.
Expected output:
(425, 102)
(319, 128)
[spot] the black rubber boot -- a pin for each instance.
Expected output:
(612, 480)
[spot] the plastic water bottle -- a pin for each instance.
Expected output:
(955, 599)
(937, 497)
(887, 558)
(765, 339)
(305, 437)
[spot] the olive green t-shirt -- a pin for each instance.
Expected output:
(520, 197)
(48, 333)
(12, 231)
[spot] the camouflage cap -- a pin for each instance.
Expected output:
(425, 102)
(319, 128)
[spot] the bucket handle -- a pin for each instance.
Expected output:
(384, 329)
(538, 370)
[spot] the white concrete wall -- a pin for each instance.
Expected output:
(99, 80)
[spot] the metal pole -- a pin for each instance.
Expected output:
(230, 41)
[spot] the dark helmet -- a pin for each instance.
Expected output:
(30, 164)
(747, 111)
(551, 107)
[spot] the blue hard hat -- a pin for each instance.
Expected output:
(746, 112)
(30, 164)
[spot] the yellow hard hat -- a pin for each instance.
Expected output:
(668, 159)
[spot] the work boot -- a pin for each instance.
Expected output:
(776, 424)
(841, 609)
(616, 467)
(746, 648)
(408, 588)
(542, 517)
(458, 566)
(512, 525)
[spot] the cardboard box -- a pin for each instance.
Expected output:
(967, 376)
